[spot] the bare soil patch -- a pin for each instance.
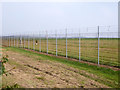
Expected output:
(32, 73)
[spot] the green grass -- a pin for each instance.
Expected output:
(104, 75)
(11, 87)
(40, 78)
(89, 49)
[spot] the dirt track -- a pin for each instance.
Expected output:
(30, 72)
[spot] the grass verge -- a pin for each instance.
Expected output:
(106, 76)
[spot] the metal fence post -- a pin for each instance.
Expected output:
(17, 40)
(56, 43)
(6, 41)
(66, 43)
(24, 41)
(9, 41)
(33, 42)
(14, 41)
(79, 45)
(21, 41)
(28, 42)
(40, 42)
(47, 41)
(98, 45)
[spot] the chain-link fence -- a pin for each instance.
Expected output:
(93, 44)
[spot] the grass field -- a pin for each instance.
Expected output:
(88, 49)
(33, 70)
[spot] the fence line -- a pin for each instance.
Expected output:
(98, 45)
(56, 43)
(33, 42)
(89, 44)
(47, 41)
(39, 43)
(14, 41)
(79, 46)
(66, 43)
(28, 42)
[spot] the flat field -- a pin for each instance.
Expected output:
(34, 70)
(108, 54)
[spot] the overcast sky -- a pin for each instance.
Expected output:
(33, 17)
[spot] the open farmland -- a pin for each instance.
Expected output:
(108, 48)
(33, 70)
(57, 44)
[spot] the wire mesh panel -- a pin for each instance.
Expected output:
(15, 41)
(4, 41)
(22, 41)
(19, 43)
(43, 42)
(37, 42)
(7, 41)
(26, 41)
(31, 41)
(93, 44)
(109, 45)
(89, 44)
(12, 41)
(73, 43)
(43, 45)
(61, 43)
(52, 43)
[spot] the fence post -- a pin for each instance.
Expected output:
(9, 41)
(14, 40)
(40, 42)
(66, 42)
(33, 42)
(79, 45)
(56, 43)
(17, 40)
(47, 41)
(21, 41)
(98, 45)
(28, 41)
(24, 41)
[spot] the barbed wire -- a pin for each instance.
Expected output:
(70, 31)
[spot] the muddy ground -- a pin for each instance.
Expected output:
(33, 72)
